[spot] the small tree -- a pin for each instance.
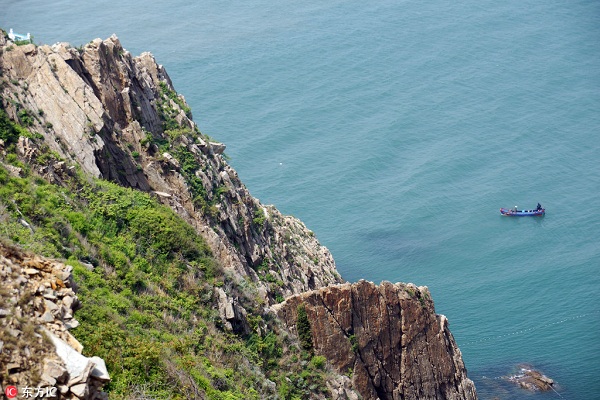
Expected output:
(304, 330)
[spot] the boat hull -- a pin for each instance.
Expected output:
(507, 212)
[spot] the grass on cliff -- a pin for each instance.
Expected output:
(146, 281)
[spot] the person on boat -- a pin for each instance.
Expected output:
(539, 207)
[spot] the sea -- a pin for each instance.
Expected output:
(396, 130)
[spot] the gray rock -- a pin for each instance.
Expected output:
(162, 194)
(66, 313)
(217, 148)
(531, 379)
(56, 371)
(50, 305)
(80, 390)
(14, 332)
(47, 317)
(31, 271)
(99, 372)
(171, 160)
(67, 302)
(72, 324)
(225, 305)
(47, 380)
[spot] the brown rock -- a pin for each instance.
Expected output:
(389, 337)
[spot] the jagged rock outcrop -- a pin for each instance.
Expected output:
(118, 117)
(388, 337)
(37, 351)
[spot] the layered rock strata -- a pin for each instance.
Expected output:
(37, 351)
(388, 337)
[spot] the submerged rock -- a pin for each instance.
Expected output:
(531, 379)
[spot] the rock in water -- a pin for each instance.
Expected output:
(531, 379)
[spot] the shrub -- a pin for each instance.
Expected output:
(9, 132)
(353, 343)
(304, 329)
(318, 362)
(259, 217)
(25, 118)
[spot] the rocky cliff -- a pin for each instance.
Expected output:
(387, 337)
(119, 118)
(98, 109)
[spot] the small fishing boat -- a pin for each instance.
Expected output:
(515, 212)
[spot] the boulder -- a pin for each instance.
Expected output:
(75, 362)
(54, 370)
(80, 390)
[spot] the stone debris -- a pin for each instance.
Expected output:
(37, 304)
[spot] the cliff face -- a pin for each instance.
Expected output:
(388, 337)
(118, 117)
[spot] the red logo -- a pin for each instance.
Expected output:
(11, 392)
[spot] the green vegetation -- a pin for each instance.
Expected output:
(171, 142)
(353, 343)
(146, 280)
(144, 277)
(304, 330)
(25, 118)
(189, 165)
(259, 217)
(171, 94)
(9, 131)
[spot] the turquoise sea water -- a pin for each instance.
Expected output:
(396, 130)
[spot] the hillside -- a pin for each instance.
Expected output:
(180, 272)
